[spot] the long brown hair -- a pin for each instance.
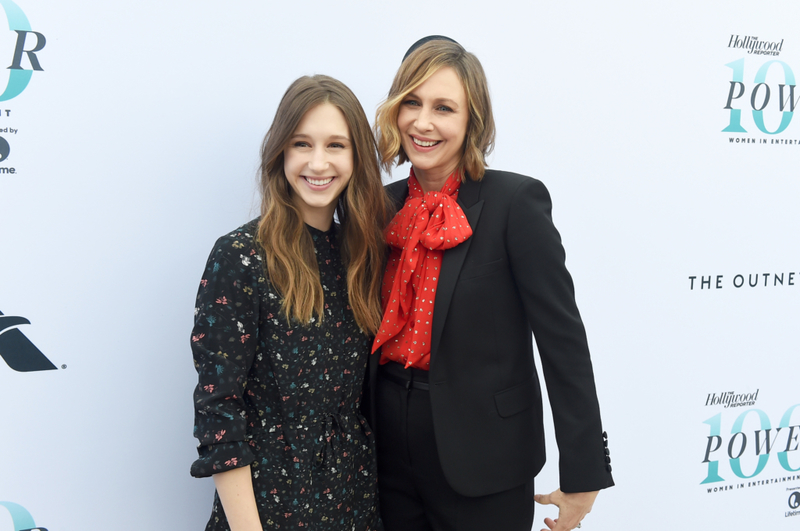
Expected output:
(362, 211)
(421, 64)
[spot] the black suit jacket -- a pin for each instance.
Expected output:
(508, 280)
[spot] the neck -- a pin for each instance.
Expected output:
(320, 220)
(320, 224)
(432, 181)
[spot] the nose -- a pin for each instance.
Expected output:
(423, 121)
(319, 161)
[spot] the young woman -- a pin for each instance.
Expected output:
(476, 265)
(285, 315)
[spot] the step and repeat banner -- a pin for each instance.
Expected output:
(129, 138)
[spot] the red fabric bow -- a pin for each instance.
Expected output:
(427, 224)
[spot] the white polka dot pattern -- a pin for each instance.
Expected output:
(427, 224)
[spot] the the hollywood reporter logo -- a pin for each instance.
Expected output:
(755, 45)
(763, 97)
(731, 399)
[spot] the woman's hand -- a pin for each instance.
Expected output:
(572, 507)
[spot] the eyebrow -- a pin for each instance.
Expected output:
(332, 137)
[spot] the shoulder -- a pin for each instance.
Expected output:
(237, 243)
(506, 182)
(506, 190)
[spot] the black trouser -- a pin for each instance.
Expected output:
(414, 493)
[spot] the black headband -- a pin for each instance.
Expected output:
(423, 40)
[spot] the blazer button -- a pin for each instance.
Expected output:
(605, 435)
(607, 452)
(608, 467)
(608, 459)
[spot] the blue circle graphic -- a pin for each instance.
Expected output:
(5, 149)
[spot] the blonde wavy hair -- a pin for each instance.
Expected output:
(420, 65)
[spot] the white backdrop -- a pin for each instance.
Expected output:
(137, 144)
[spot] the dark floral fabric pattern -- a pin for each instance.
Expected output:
(283, 397)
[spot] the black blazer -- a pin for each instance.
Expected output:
(508, 280)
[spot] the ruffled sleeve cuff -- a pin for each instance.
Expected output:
(222, 457)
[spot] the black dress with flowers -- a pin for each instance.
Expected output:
(283, 398)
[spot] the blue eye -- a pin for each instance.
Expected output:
(412, 103)
(444, 108)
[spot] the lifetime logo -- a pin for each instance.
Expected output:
(17, 350)
(794, 503)
(794, 500)
(18, 77)
(20, 517)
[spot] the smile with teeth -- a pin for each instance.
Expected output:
(423, 143)
(318, 182)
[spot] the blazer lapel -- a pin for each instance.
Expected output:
(453, 260)
(397, 192)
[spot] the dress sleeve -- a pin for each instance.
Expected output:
(223, 343)
(538, 264)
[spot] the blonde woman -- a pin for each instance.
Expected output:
(476, 265)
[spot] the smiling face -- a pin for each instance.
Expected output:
(433, 122)
(318, 163)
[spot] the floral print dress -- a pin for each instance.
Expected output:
(283, 398)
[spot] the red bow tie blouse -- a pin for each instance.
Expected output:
(418, 235)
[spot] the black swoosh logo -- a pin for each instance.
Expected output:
(9, 321)
(17, 350)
